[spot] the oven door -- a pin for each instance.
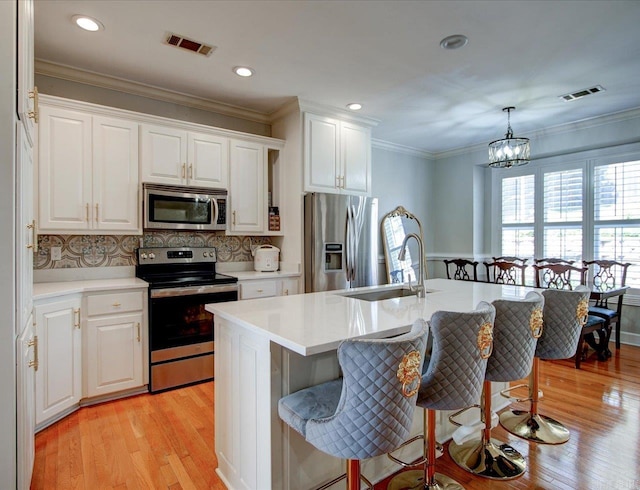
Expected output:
(181, 334)
(177, 316)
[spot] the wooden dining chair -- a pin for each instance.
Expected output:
(559, 276)
(607, 275)
(505, 272)
(465, 270)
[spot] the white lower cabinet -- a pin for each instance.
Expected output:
(266, 288)
(59, 375)
(27, 364)
(114, 340)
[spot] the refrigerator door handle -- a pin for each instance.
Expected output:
(350, 244)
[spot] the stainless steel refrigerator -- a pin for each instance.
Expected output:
(341, 241)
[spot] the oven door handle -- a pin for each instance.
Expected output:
(193, 290)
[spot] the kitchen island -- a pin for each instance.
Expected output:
(270, 347)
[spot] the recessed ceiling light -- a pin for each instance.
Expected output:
(354, 106)
(454, 42)
(88, 23)
(243, 71)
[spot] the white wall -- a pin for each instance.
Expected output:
(8, 15)
(403, 179)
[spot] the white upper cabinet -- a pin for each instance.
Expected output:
(337, 156)
(87, 173)
(178, 157)
(27, 92)
(248, 189)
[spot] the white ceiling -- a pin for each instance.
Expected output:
(384, 54)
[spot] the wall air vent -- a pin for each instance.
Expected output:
(188, 44)
(582, 93)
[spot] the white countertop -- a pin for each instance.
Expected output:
(44, 290)
(317, 322)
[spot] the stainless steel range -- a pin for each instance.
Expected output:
(181, 281)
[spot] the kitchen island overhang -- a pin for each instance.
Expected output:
(270, 347)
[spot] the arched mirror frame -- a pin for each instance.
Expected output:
(391, 250)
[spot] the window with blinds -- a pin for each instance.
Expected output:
(562, 199)
(582, 211)
(616, 193)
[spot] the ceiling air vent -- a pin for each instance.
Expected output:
(582, 93)
(189, 45)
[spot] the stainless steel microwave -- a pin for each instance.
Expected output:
(168, 207)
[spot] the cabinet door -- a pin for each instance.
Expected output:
(289, 286)
(58, 379)
(27, 358)
(321, 155)
(114, 354)
(115, 175)
(64, 170)
(25, 225)
(248, 193)
(208, 161)
(163, 155)
(355, 159)
(26, 89)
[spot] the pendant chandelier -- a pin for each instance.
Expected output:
(509, 151)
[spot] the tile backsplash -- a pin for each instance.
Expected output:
(119, 250)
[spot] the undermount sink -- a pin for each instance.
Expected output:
(381, 294)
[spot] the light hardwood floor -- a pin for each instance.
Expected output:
(165, 441)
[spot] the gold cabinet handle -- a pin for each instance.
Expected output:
(33, 94)
(234, 218)
(184, 170)
(261, 290)
(97, 211)
(34, 236)
(191, 170)
(116, 304)
(138, 328)
(77, 319)
(86, 211)
(285, 292)
(34, 343)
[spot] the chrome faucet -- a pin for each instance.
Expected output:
(401, 256)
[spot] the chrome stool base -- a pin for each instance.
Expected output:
(493, 459)
(411, 480)
(534, 427)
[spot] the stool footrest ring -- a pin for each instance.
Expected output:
(505, 393)
(404, 464)
(460, 412)
(342, 477)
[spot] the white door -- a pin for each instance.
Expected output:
(163, 155)
(64, 170)
(58, 379)
(26, 232)
(355, 159)
(116, 205)
(248, 193)
(27, 358)
(114, 354)
(208, 161)
(321, 154)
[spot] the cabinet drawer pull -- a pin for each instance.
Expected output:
(184, 170)
(76, 312)
(285, 292)
(116, 304)
(97, 211)
(138, 328)
(260, 290)
(191, 170)
(35, 363)
(33, 94)
(34, 236)
(234, 218)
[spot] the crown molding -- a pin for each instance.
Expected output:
(64, 72)
(396, 148)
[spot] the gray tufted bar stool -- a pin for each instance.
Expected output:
(367, 412)
(516, 330)
(564, 314)
(462, 343)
